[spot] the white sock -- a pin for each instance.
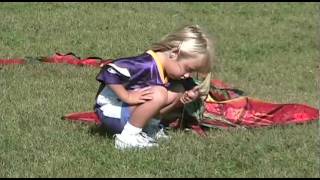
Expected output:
(129, 129)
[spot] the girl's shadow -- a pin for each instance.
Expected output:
(101, 130)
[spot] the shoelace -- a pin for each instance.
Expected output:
(145, 136)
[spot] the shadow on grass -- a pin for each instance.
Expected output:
(100, 130)
(94, 129)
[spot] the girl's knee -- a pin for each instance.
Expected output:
(159, 95)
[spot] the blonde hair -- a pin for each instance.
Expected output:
(189, 40)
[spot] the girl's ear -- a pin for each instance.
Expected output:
(174, 53)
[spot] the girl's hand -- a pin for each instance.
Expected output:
(190, 95)
(139, 96)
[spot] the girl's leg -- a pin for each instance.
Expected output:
(173, 102)
(173, 109)
(131, 135)
(143, 113)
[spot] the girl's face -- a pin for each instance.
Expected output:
(182, 67)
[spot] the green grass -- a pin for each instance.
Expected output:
(269, 50)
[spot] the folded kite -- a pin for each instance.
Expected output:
(227, 108)
(224, 107)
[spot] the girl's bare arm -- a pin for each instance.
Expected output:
(131, 97)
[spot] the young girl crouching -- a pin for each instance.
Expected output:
(134, 90)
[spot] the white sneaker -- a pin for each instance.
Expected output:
(156, 130)
(141, 140)
(161, 134)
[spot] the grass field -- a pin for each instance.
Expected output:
(268, 50)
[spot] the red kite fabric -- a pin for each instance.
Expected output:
(70, 58)
(12, 61)
(250, 113)
(234, 110)
(89, 117)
